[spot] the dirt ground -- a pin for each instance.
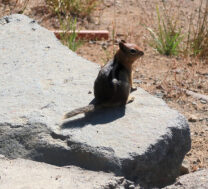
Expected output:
(165, 77)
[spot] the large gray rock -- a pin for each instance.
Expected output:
(41, 80)
(28, 174)
(196, 180)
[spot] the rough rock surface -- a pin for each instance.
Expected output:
(28, 174)
(196, 180)
(41, 80)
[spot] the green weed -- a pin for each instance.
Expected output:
(167, 38)
(69, 37)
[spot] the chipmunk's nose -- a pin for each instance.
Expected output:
(141, 53)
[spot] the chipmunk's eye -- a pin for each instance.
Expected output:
(133, 51)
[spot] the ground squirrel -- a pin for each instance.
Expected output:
(114, 81)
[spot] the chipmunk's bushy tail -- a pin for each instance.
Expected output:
(85, 109)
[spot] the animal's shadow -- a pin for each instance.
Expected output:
(101, 116)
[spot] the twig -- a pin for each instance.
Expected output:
(193, 94)
(197, 95)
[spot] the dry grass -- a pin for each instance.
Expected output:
(13, 6)
(75, 8)
(197, 43)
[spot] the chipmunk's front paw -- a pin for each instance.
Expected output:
(130, 99)
(133, 88)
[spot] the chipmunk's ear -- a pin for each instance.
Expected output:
(121, 45)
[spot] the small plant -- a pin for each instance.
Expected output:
(77, 8)
(67, 12)
(11, 7)
(24, 6)
(197, 43)
(69, 37)
(167, 38)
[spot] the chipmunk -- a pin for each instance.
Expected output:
(114, 81)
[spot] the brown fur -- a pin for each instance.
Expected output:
(126, 59)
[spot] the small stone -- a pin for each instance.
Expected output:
(32, 22)
(159, 94)
(104, 45)
(189, 64)
(201, 119)
(203, 101)
(2, 156)
(194, 103)
(131, 186)
(185, 167)
(159, 87)
(178, 71)
(199, 86)
(92, 42)
(121, 179)
(178, 183)
(192, 118)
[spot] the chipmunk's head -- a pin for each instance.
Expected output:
(130, 50)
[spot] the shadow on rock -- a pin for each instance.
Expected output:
(101, 116)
